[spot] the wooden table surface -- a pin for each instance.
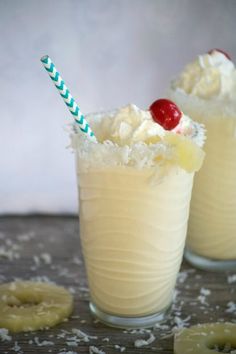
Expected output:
(24, 241)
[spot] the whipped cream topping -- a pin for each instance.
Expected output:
(129, 136)
(128, 126)
(210, 75)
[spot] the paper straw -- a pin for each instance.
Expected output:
(68, 99)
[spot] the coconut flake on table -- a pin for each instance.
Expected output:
(205, 292)
(72, 290)
(11, 253)
(76, 260)
(4, 336)
(42, 279)
(46, 257)
(183, 275)
(16, 348)
(72, 343)
(231, 278)
(64, 272)
(36, 260)
(162, 326)
(180, 323)
(231, 307)
(203, 295)
(26, 237)
(120, 348)
(95, 350)
(82, 335)
(137, 331)
(142, 342)
(43, 343)
(75, 336)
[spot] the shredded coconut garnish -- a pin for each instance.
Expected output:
(181, 323)
(46, 257)
(16, 348)
(83, 336)
(203, 294)
(95, 350)
(43, 343)
(231, 307)
(129, 137)
(120, 348)
(76, 260)
(11, 252)
(42, 279)
(141, 342)
(4, 336)
(231, 279)
(26, 237)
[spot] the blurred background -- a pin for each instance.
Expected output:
(110, 52)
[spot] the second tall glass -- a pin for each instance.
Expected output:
(211, 241)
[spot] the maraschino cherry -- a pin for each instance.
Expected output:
(220, 51)
(165, 113)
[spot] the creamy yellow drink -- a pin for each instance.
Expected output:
(206, 90)
(134, 194)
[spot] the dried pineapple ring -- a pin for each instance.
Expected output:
(28, 306)
(204, 339)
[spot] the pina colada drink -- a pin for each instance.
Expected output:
(134, 194)
(206, 90)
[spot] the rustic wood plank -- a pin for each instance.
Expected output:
(26, 238)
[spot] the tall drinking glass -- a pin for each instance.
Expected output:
(133, 222)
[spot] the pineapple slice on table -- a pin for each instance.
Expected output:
(29, 306)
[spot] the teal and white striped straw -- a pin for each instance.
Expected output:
(68, 99)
